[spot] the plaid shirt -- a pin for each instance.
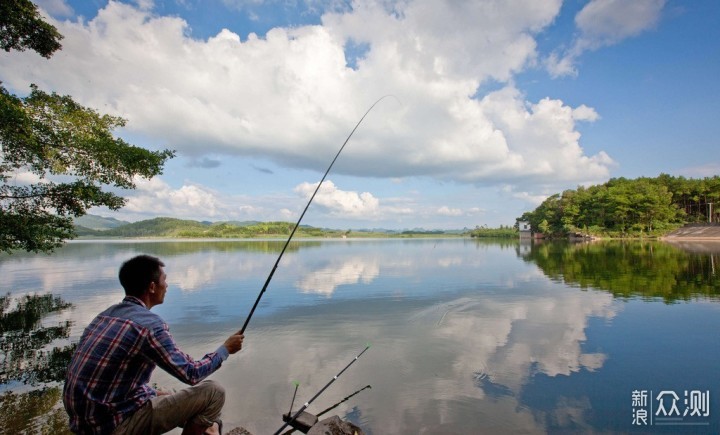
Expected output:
(107, 379)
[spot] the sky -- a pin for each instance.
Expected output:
(485, 107)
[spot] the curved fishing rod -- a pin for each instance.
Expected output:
(300, 411)
(272, 272)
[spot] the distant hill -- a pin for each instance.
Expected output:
(241, 223)
(96, 226)
(99, 223)
(157, 227)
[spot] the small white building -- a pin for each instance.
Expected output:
(525, 232)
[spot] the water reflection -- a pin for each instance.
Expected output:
(681, 271)
(33, 359)
(466, 337)
(343, 272)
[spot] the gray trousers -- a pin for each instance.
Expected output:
(200, 404)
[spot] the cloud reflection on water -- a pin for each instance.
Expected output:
(456, 331)
(349, 271)
(435, 366)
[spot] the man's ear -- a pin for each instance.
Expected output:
(151, 287)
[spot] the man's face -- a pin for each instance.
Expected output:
(159, 289)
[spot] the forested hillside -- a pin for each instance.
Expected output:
(171, 227)
(178, 228)
(625, 207)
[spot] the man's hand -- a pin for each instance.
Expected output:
(234, 343)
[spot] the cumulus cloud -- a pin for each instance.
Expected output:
(155, 194)
(447, 211)
(155, 197)
(341, 202)
(290, 96)
(602, 23)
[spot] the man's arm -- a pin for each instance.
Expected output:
(165, 353)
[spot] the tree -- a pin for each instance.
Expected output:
(68, 150)
(22, 27)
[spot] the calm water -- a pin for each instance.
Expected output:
(466, 336)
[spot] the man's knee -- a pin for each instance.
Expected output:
(213, 392)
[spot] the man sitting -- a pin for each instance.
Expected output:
(106, 389)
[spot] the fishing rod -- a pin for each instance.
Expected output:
(344, 399)
(272, 272)
(330, 408)
(300, 411)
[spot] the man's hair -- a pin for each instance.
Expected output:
(137, 273)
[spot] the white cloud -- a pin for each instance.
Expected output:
(534, 199)
(602, 23)
(341, 202)
(56, 8)
(447, 211)
(289, 96)
(23, 178)
(155, 197)
(541, 140)
(188, 200)
(428, 41)
(585, 113)
(606, 22)
(145, 5)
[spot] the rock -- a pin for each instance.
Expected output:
(334, 426)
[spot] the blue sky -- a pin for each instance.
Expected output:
(498, 104)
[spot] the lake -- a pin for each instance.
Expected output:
(466, 336)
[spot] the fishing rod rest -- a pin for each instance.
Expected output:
(302, 422)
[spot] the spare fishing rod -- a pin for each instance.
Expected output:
(272, 272)
(324, 411)
(343, 400)
(300, 411)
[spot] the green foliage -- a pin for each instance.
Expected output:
(158, 227)
(97, 222)
(179, 228)
(48, 134)
(21, 27)
(51, 137)
(623, 207)
(501, 232)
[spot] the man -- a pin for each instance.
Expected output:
(106, 389)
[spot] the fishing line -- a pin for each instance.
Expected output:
(272, 272)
